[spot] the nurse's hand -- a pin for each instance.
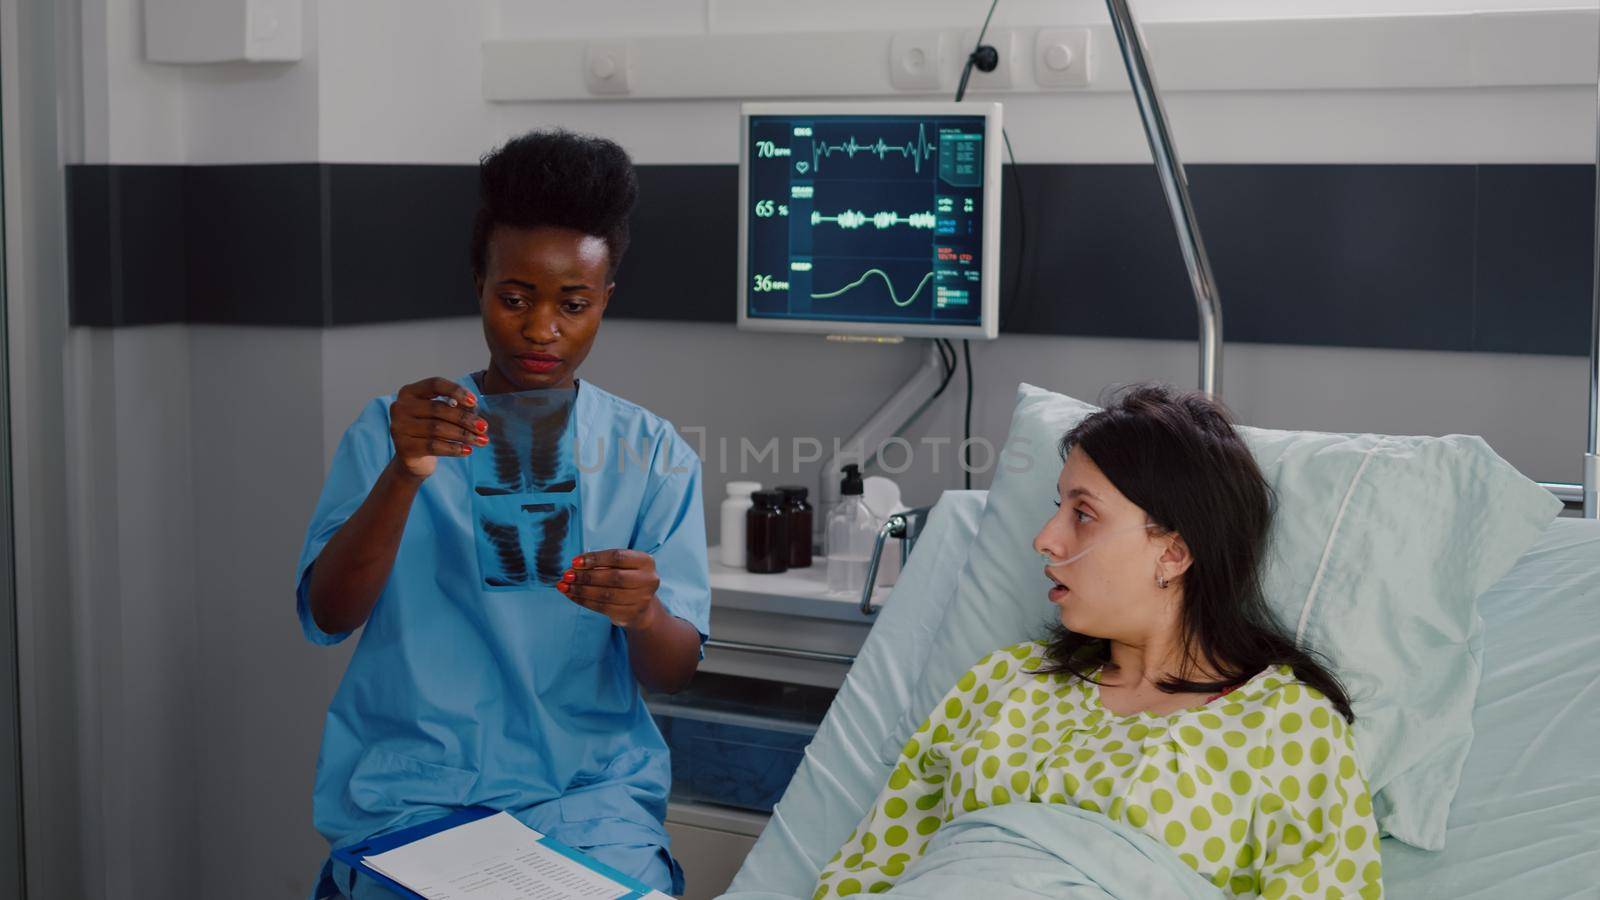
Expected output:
(432, 418)
(618, 584)
(621, 585)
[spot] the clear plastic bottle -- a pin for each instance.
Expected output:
(852, 530)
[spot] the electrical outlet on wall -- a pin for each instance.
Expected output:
(608, 68)
(918, 60)
(1062, 57)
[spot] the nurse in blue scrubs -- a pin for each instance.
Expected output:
(527, 702)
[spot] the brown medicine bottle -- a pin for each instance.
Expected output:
(766, 534)
(799, 515)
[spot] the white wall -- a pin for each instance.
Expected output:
(260, 689)
(196, 452)
(798, 387)
(400, 81)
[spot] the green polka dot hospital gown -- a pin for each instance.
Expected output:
(1258, 791)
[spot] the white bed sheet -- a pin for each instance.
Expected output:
(1526, 821)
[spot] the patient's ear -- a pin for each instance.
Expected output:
(1176, 559)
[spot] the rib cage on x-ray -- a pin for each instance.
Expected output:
(506, 539)
(551, 560)
(531, 448)
(525, 490)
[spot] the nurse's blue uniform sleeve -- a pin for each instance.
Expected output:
(672, 528)
(363, 453)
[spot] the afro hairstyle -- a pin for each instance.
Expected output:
(560, 179)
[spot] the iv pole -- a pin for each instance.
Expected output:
(1176, 187)
(1591, 459)
(1207, 302)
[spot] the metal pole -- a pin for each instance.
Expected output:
(785, 652)
(1176, 187)
(1591, 458)
(1568, 494)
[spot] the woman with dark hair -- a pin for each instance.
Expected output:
(525, 701)
(1167, 698)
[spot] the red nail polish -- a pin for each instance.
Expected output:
(482, 425)
(472, 400)
(467, 449)
(569, 577)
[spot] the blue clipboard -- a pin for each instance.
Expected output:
(351, 856)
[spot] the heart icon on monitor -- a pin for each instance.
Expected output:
(801, 167)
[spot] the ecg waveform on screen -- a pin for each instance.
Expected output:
(853, 218)
(890, 284)
(916, 151)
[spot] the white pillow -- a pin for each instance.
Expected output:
(1379, 550)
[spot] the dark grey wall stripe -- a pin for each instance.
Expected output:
(253, 245)
(1534, 257)
(398, 237)
(1437, 257)
(1347, 255)
(683, 260)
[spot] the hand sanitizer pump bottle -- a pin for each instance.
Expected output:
(851, 533)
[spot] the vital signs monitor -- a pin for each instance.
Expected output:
(870, 219)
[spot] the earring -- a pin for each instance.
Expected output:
(1161, 582)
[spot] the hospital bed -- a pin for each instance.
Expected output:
(1525, 823)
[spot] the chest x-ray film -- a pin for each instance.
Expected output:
(525, 503)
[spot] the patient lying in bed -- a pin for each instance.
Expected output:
(1167, 699)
